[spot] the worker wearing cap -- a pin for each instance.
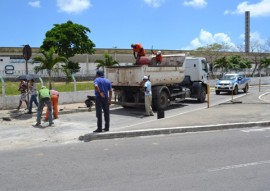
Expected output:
(54, 100)
(44, 99)
(148, 96)
(103, 95)
(138, 51)
(158, 57)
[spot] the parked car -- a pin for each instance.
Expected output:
(232, 83)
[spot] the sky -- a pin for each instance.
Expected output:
(157, 24)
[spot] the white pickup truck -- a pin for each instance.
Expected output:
(232, 83)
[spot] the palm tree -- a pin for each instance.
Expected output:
(48, 61)
(109, 61)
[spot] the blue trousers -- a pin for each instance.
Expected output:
(33, 98)
(102, 104)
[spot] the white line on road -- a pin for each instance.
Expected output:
(255, 130)
(239, 166)
(260, 97)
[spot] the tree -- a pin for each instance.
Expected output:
(222, 63)
(109, 61)
(258, 51)
(70, 68)
(237, 63)
(265, 63)
(48, 61)
(212, 52)
(68, 39)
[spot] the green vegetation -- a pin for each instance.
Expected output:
(48, 61)
(65, 40)
(11, 88)
(68, 39)
(108, 61)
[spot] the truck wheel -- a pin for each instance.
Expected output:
(162, 101)
(217, 92)
(202, 97)
(246, 88)
(235, 91)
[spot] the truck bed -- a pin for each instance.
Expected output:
(132, 75)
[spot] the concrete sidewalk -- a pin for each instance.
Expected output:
(252, 110)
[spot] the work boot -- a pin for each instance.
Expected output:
(37, 125)
(50, 124)
(97, 131)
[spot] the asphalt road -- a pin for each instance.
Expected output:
(222, 160)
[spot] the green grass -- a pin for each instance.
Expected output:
(11, 88)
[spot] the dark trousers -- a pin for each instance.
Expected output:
(102, 104)
(42, 103)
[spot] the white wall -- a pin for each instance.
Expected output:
(12, 102)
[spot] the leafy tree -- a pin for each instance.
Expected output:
(212, 52)
(222, 63)
(238, 63)
(48, 61)
(68, 39)
(109, 61)
(265, 63)
(235, 62)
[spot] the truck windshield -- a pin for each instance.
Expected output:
(205, 66)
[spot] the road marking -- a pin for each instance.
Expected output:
(260, 97)
(255, 130)
(239, 166)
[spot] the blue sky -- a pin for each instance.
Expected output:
(161, 24)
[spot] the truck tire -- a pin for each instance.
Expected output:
(202, 96)
(162, 102)
(246, 88)
(235, 91)
(217, 92)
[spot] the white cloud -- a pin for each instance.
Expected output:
(206, 38)
(73, 6)
(196, 3)
(35, 4)
(255, 38)
(259, 9)
(154, 3)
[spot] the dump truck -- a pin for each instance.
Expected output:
(177, 78)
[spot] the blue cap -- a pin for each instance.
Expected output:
(100, 73)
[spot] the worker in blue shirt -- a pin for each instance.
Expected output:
(103, 94)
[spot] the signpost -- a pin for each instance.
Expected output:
(27, 53)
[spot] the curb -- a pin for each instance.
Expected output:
(165, 131)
